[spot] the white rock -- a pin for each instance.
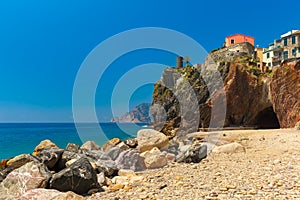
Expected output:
(229, 148)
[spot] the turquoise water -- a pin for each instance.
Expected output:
(19, 138)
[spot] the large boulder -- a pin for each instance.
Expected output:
(50, 157)
(80, 177)
(45, 144)
(229, 148)
(15, 163)
(148, 139)
(192, 153)
(108, 167)
(66, 156)
(130, 159)
(155, 158)
(90, 145)
(30, 176)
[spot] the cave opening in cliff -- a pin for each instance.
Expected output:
(267, 119)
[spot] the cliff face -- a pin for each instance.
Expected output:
(285, 91)
(138, 114)
(247, 98)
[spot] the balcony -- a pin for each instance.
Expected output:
(278, 48)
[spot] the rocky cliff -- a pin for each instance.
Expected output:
(285, 91)
(138, 114)
(253, 99)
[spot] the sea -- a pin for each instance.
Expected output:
(22, 138)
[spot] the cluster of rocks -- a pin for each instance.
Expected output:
(90, 168)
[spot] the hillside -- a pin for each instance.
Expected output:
(138, 114)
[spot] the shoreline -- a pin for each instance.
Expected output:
(258, 164)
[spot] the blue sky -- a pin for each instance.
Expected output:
(43, 43)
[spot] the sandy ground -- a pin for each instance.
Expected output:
(268, 169)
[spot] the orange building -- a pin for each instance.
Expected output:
(238, 38)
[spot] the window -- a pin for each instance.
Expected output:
(285, 54)
(279, 55)
(269, 64)
(293, 39)
(285, 42)
(298, 49)
(268, 55)
(232, 41)
(294, 52)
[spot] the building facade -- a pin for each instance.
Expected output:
(283, 49)
(238, 38)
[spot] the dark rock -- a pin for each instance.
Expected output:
(103, 162)
(192, 154)
(50, 157)
(130, 159)
(72, 147)
(132, 142)
(108, 167)
(80, 177)
(66, 156)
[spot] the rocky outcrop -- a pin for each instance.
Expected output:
(246, 91)
(138, 114)
(285, 92)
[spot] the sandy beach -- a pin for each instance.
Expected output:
(268, 169)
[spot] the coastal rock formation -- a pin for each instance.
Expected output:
(80, 177)
(247, 102)
(285, 91)
(138, 114)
